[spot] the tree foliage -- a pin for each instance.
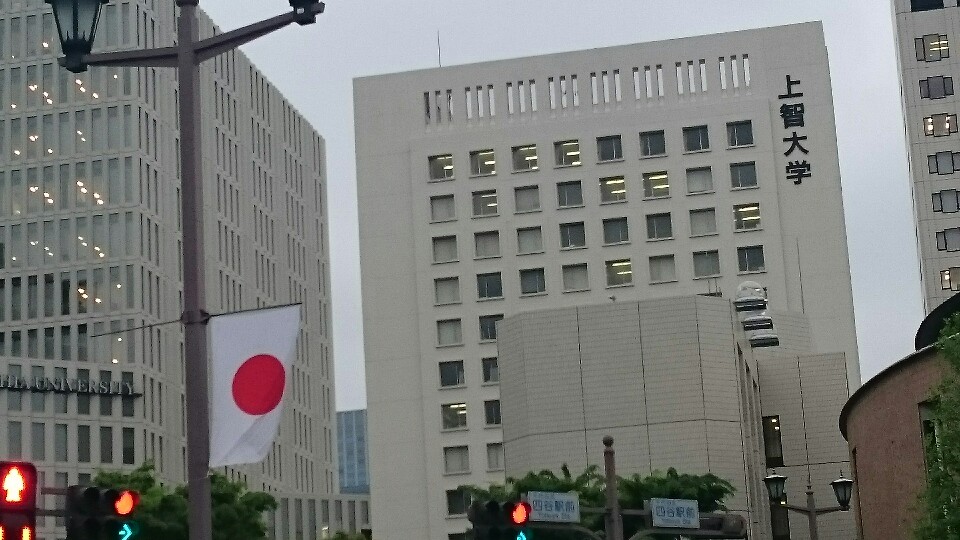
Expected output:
(162, 513)
(708, 490)
(939, 504)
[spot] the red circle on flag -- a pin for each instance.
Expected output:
(258, 384)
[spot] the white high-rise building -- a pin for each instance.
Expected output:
(90, 244)
(924, 30)
(625, 173)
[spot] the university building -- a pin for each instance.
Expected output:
(620, 174)
(91, 370)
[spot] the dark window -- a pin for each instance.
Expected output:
(772, 447)
(925, 5)
(936, 87)
(615, 230)
(572, 235)
(659, 226)
(743, 175)
(457, 501)
(653, 143)
(740, 133)
(451, 373)
(491, 370)
(696, 138)
(609, 148)
(489, 285)
(532, 281)
(569, 194)
(751, 259)
(488, 326)
(491, 412)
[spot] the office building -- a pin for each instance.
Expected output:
(352, 451)
(90, 249)
(623, 173)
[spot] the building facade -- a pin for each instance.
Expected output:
(90, 253)
(924, 29)
(352, 451)
(633, 172)
(677, 384)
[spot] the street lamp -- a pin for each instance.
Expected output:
(77, 24)
(842, 488)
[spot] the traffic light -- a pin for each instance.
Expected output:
(100, 514)
(18, 500)
(495, 521)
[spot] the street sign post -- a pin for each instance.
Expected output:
(554, 507)
(675, 513)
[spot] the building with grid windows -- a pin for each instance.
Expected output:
(90, 249)
(352, 451)
(618, 174)
(924, 30)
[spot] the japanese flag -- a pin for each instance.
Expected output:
(252, 357)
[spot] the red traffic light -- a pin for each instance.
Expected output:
(520, 514)
(18, 486)
(126, 502)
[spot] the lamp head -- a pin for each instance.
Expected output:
(843, 489)
(776, 486)
(77, 26)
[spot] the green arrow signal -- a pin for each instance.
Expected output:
(126, 533)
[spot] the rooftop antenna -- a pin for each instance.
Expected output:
(439, 57)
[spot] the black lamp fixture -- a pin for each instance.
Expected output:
(77, 24)
(843, 489)
(776, 486)
(303, 9)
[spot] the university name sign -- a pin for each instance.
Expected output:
(67, 386)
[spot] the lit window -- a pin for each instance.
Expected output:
(567, 153)
(526, 199)
(932, 47)
(943, 162)
(569, 194)
(746, 216)
(572, 235)
(615, 231)
(456, 460)
(482, 163)
(656, 184)
(486, 244)
(700, 180)
(663, 269)
(940, 125)
(696, 138)
(948, 240)
(442, 208)
(613, 189)
(491, 412)
(444, 249)
(750, 259)
(619, 272)
(532, 281)
(772, 446)
(740, 133)
(653, 143)
(488, 326)
(575, 277)
(609, 148)
(706, 264)
(453, 415)
(491, 370)
(446, 290)
(441, 167)
(485, 203)
(489, 285)
(949, 283)
(659, 227)
(525, 158)
(703, 221)
(529, 240)
(743, 175)
(946, 201)
(449, 332)
(937, 87)
(451, 373)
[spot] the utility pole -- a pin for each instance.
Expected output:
(614, 516)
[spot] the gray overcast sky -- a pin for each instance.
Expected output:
(314, 68)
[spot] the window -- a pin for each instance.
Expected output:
(750, 259)
(656, 184)
(525, 158)
(937, 87)
(488, 326)
(946, 201)
(696, 138)
(575, 277)
(451, 373)
(442, 208)
(613, 189)
(441, 167)
(663, 268)
(454, 415)
(772, 446)
(572, 235)
(532, 281)
(652, 143)
(487, 244)
(615, 231)
(943, 162)
(940, 125)
(743, 175)
(456, 460)
(491, 370)
(494, 456)
(948, 240)
(526, 199)
(700, 180)
(444, 249)
(924, 5)
(489, 286)
(449, 332)
(706, 264)
(703, 222)
(457, 501)
(567, 153)
(491, 412)
(609, 148)
(746, 216)
(482, 163)
(529, 240)
(659, 227)
(485, 203)
(569, 194)
(619, 272)
(946, 282)
(932, 47)
(446, 290)
(740, 133)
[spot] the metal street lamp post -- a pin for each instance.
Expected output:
(77, 24)
(842, 488)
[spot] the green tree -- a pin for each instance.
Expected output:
(162, 513)
(709, 490)
(939, 504)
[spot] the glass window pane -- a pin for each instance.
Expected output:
(703, 221)
(529, 240)
(575, 277)
(613, 189)
(442, 208)
(699, 180)
(487, 244)
(615, 231)
(619, 272)
(706, 264)
(447, 290)
(527, 199)
(567, 153)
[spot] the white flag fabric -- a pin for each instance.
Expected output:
(252, 358)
